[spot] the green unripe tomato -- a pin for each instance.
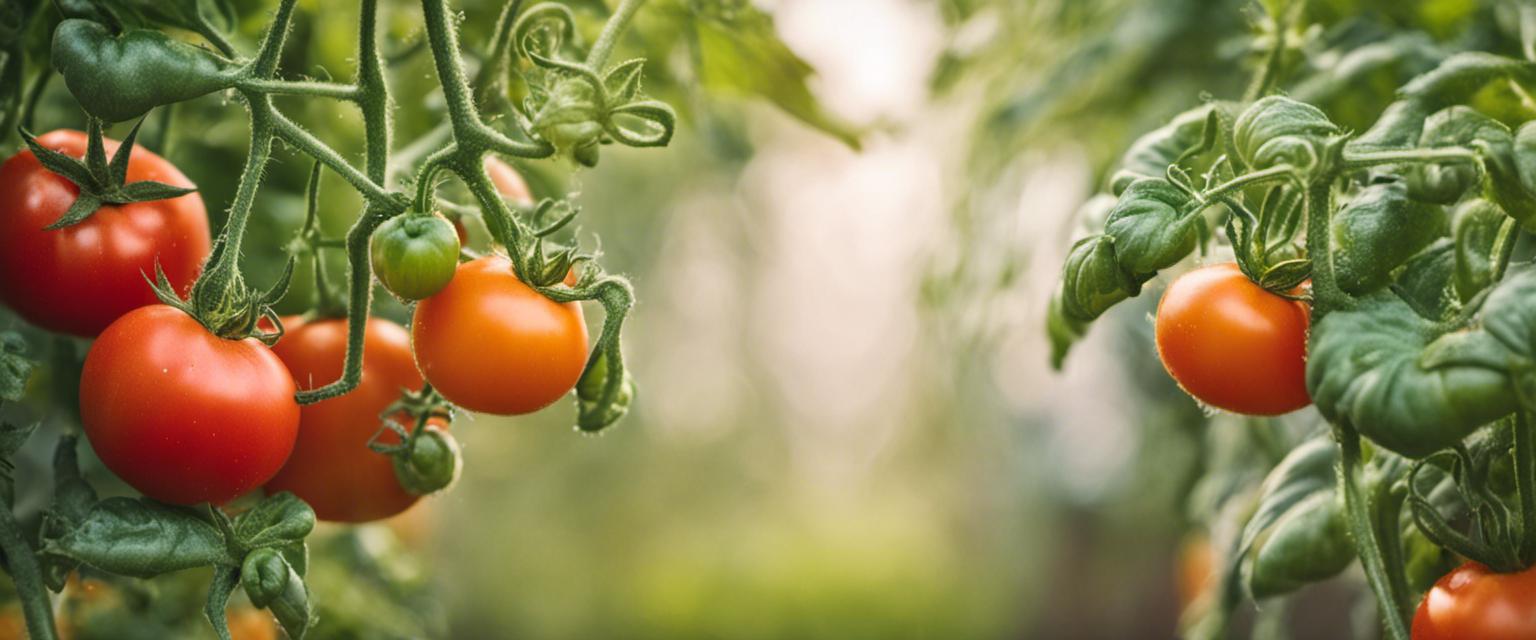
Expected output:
(430, 465)
(415, 255)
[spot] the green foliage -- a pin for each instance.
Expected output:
(1296, 536)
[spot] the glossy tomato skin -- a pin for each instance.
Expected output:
(183, 415)
(332, 467)
(1474, 602)
(1233, 345)
(79, 279)
(489, 343)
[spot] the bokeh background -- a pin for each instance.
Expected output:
(847, 426)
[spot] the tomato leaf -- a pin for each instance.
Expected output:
(141, 538)
(1378, 231)
(73, 498)
(1426, 282)
(1475, 227)
(272, 583)
(741, 52)
(1297, 535)
(278, 520)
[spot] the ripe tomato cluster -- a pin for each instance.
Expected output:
(186, 416)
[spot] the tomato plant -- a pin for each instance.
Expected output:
(79, 278)
(1375, 275)
(490, 343)
(1233, 345)
(195, 392)
(152, 384)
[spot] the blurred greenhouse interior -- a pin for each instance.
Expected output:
(847, 425)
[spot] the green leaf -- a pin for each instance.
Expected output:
(1092, 281)
(1378, 231)
(272, 583)
(277, 520)
(1426, 282)
(1149, 227)
(1444, 183)
(1411, 386)
(15, 368)
(141, 538)
(741, 52)
(1276, 130)
(1151, 154)
(622, 82)
(1297, 535)
(1475, 227)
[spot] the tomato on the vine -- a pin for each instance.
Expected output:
(182, 415)
(80, 278)
(415, 254)
(490, 343)
(1474, 602)
(1233, 345)
(332, 467)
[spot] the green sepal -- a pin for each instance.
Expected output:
(100, 182)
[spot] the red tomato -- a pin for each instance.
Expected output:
(332, 467)
(182, 415)
(508, 181)
(80, 278)
(1474, 602)
(492, 344)
(1233, 345)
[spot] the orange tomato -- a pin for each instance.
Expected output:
(490, 343)
(1233, 345)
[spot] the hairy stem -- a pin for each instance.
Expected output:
(619, 21)
(36, 607)
(1367, 541)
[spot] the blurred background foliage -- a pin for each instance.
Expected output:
(846, 426)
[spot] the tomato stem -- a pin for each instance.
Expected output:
(1446, 155)
(1525, 485)
(1367, 541)
(610, 35)
(21, 561)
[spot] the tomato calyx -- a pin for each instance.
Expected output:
(224, 305)
(101, 182)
